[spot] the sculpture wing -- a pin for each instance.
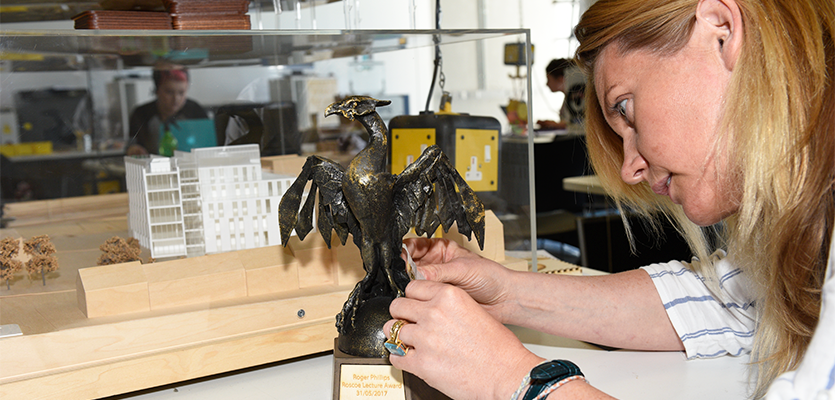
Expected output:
(334, 214)
(430, 193)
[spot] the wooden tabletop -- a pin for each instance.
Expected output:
(583, 184)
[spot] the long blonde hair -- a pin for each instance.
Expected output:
(778, 127)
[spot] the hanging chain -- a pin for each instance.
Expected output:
(441, 76)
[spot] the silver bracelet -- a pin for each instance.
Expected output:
(525, 381)
(554, 386)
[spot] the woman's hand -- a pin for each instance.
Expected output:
(456, 346)
(548, 125)
(456, 337)
(442, 260)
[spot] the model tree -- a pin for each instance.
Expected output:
(41, 249)
(117, 250)
(9, 264)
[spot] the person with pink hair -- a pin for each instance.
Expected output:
(148, 120)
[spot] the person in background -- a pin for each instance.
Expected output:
(716, 114)
(147, 122)
(563, 76)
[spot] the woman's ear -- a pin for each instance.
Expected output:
(722, 21)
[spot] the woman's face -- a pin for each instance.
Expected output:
(666, 109)
(171, 97)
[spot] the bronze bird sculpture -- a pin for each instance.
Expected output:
(377, 207)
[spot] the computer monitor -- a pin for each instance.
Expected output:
(48, 115)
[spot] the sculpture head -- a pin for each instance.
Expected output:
(355, 106)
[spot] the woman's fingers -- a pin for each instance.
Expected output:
(447, 333)
(424, 250)
(435, 251)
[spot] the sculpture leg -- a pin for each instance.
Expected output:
(350, 307)
(365, 289)
(356, 298)
(395, 270)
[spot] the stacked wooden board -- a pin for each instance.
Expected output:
(178, 14)
(111, 19)
(208, 14)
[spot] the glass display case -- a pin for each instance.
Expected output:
(66, 102)
(67, 97)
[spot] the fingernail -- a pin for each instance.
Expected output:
(411, 267)
(419, 275)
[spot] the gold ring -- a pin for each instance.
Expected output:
(395, 329)
(395, 345)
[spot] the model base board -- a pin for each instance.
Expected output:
(134, 326)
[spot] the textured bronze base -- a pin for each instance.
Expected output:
(366, 338)
(415, 388)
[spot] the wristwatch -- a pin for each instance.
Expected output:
(549, 373)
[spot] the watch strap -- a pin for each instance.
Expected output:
(547, 373)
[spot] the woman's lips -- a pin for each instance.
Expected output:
(662, 187)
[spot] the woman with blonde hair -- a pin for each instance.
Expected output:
(774, 138)
(718, 115)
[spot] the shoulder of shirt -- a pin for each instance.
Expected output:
(147, 108)
(193, 109)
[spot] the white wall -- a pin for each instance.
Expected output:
(550, 22)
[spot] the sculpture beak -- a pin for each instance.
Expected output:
(332, 109)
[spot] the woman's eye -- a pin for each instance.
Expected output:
(620, 107)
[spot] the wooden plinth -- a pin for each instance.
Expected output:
(414, 388)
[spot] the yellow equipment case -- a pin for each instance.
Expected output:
(471, 143)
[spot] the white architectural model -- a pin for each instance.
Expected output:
(206, 201)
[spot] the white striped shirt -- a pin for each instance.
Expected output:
(709, 324)
(715, 323)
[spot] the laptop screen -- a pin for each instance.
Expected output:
(194, 133)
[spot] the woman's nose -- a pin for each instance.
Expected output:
(634, 166)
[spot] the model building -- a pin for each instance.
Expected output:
(205, 201)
